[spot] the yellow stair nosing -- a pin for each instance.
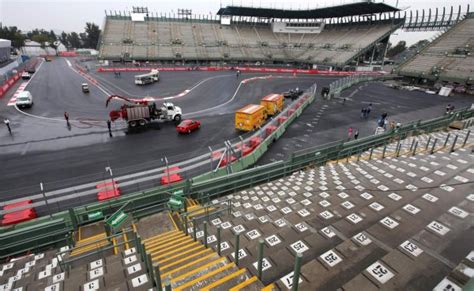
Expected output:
(164, 241)
(269, 287)
(244, 284)
(172, 221)
(94, 237)
(198, 269)
(182, 267)
(82, 250)
(164, 267)
(198, 246)
(224, 279)
(171, 244)
(160, 235)
(157, 254)
(205, 276)
(89, 247)
(202, 210)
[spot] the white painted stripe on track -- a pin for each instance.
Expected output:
(68, 62)
(23, 86)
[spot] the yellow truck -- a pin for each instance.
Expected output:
(250, 117)
(273, 103)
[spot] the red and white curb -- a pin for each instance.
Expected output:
(20, 89)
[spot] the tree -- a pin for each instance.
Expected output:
(74, 40)
(52, 36)
(41, 38)
(400, 47)
(13, 34)
(420, 44)
(83, 37)
(92, 35)
(64, 39)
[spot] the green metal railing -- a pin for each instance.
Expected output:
(47, 231)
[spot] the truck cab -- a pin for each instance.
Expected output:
(171, 112)
(85, 88)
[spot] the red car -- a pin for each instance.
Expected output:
(188, 125)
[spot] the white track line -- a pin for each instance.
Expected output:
(232, 98)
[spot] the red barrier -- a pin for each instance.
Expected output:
(171, 178)
(110, 184)
(19, 216)
(9, 83)
(17, 204)
(255, 142)
(282, 119)
(244, 148)
(270, 129)
(104, 195)
(68, 54)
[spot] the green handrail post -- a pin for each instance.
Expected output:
(218, 240)
(433, 146)
(383, 151)
(186, 224)
(260, 259)
(158, 277)
(167, 285)
(296, 271)
(466, 138)
(149, 264)
(237, 246)
(194, 229)
(371, 152)
(412, 144)
(72, 216)
(414, 148)
(205, 234)
(446, 141)
(454, 143)
(428, 143)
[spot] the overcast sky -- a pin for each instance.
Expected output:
(71, 15)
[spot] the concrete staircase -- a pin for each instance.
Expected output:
(189, 265)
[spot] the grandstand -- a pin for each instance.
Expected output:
(320, 36)
(447, 58)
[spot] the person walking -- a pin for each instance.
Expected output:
(356, 134)
(237, 74)
(66, 116)
(109, 126)
(367, 111)
(362, 113)
(349, 133)
(344, 101)
(7, 123)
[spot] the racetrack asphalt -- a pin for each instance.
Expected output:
(43, 149)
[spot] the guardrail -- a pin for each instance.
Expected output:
(216, 183)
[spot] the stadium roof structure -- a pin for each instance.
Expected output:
(362, 8)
